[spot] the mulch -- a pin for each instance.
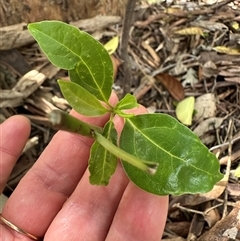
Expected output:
(176, 51)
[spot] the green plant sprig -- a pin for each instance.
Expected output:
(63, 121)
(158, 154)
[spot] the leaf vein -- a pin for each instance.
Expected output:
(158, 146)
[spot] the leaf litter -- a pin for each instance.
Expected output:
(178, 49)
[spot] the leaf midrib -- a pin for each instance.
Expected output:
(155, 144)
(56, 42)
(106, 152)
(100, 107)
(96, 83)
(80, 58)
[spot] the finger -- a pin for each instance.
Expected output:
(14, 133)
(88, 213)
(44, 189)
(140, 216)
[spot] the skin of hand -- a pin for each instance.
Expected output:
(55, 200)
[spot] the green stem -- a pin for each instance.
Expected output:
(150, 167)
(63, 121)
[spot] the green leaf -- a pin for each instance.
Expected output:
(81, 100)
(69, 48)
(184, 110)
(61, 42)
(127, 102)
(123, 114)
(94, 75)
(185, 164)
(102, 163)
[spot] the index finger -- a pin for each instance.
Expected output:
(44, 189)
(11, 145)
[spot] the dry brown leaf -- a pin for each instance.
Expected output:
(211, 216)
(234, 189)
(173, 86)
(208, 139)
(116, 63)
(190, 31)
(180, 228)
(226, 50)
(205, 106)
(207, 125)
(226, 229)
(209, 69)
(211, 25)
(196, 228)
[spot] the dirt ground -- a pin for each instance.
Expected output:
(177, 50)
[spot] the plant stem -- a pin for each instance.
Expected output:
(149, 167)
(63, 121)
(127, 69)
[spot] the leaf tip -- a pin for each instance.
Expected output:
(92, 181)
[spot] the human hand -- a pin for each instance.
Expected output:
(55, 200)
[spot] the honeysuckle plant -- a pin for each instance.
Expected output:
(158, 154)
